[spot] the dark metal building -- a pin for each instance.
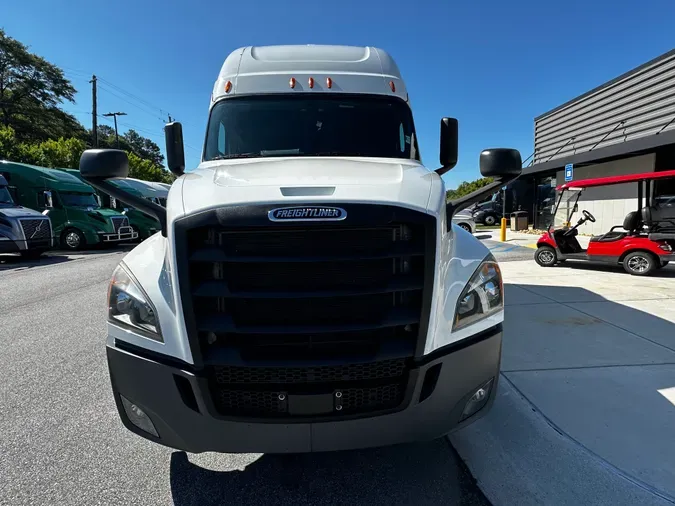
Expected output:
(624, 126)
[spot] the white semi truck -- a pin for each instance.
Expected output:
(308, 291)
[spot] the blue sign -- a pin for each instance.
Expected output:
(569, 172)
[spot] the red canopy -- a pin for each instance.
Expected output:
(628, 178)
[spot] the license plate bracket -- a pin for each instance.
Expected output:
(316, 404)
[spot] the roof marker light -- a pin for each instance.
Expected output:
(392, 86)
(329, 83)
(228, 86)
(291, 82)
(310, 81)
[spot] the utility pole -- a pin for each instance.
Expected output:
(94, 124)
(170, 120)
(114, 115)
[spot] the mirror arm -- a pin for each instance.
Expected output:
(139, 203)
(454, 206)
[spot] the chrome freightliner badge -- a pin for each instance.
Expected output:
(307, 214)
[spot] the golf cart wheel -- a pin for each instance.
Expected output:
(465, 227)
(545, 256)
(72, 239)
(490, 220)
(639, 263)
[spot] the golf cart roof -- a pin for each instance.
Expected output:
(628, 178)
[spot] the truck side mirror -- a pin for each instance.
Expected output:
(501, 163)
(449, 145)
(49, 201)
(104, 164)
(175, 153)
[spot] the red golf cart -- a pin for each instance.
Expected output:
(644, 242)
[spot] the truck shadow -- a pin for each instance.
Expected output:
(425, 473)
(600, 372)
(17, 262)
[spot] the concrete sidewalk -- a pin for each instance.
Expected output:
(585, 412)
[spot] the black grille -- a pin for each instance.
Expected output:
(232, 375)
(119, 222)
(275, 403)
(271, 307)
(37, 229)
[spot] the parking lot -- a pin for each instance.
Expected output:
(61, 441)
(585, 405)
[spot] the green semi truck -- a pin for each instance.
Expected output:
(143, 225)
(77, 218)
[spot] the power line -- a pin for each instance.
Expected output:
(131, 95)
(146, 111)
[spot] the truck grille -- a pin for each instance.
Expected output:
(306, 308)
(118, 222)
(38, 232)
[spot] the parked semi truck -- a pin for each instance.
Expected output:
(142, 224)
(308, 291)
(22, 230)
(76, 216)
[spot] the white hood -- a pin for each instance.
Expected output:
(290, 180)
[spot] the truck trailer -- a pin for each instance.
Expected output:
(76, 216)
(308, 290)
(22, 230)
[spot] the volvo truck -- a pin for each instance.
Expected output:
(77, 218)
(143, 225)
(22, 230)
(308, 290)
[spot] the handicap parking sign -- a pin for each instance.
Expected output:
(569, 172)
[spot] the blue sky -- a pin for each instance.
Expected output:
(493, 65)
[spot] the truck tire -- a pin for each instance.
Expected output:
(490, 220)
(72, 239)
(639, 263)
(545, 256)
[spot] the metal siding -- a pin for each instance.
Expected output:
(644, 100)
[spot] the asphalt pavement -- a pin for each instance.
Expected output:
(61, 441)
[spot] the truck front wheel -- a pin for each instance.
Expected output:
(72, 239)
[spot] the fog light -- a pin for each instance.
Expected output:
(138, 417)
(478, 400)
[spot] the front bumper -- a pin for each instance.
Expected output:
(186, 421)
(123, 234)
(8, 246)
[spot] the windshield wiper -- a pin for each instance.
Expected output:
(236, 155)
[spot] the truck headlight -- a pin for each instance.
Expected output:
(130, 306)
(483, 295)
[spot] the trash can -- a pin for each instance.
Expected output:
(518, 221)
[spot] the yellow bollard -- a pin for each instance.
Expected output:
(502, 231)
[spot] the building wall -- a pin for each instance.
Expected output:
(609, 204)
(643, 99)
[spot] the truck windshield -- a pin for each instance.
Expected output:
(79, 200)
(301, 125)
(5, 197)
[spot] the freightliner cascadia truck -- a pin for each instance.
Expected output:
(308, 291)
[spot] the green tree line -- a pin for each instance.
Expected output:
(35, 130)
(467, 187)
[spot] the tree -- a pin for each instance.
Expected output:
(147, 170)
(467, 187)
(59, 153)
(143, 147)
(31, 90)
